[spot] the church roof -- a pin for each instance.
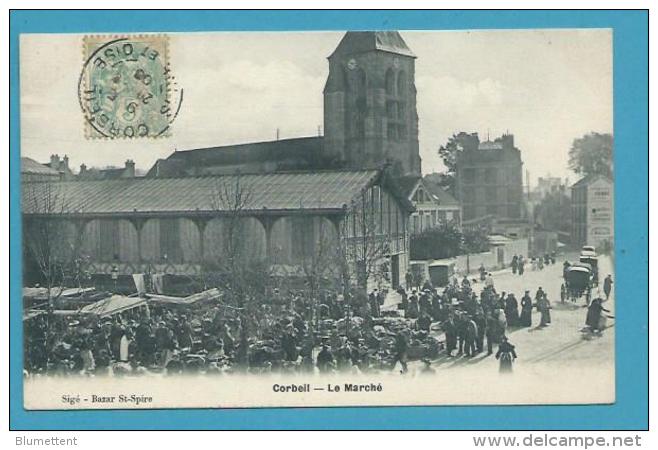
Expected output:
(284, 155)
(327, 191)
(367, 41)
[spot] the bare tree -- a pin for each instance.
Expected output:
(319, 259)
(363, 245)
(234, 269)
(50, 238)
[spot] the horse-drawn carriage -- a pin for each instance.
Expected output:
(593, 262)
(577, 281)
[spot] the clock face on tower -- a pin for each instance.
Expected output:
(351, 64)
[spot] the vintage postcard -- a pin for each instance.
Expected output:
(355, 218)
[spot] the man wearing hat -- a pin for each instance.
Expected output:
(450, 330)
(471, 336)
(325, 359)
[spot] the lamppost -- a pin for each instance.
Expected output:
(115, 276)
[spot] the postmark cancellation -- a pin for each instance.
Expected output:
(126, 89)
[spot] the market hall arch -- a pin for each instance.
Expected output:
(299, 238)
(249, 235)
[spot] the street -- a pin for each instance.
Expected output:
(562, 344)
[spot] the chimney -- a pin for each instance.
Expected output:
(54, 162)
(83, 169)
(65, 162)
(129, 172)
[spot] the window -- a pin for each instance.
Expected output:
(390, 82)
(402, 84)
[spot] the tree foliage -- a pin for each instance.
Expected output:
(449, 154)
(554, 212)
(592, 155)
(446, 240)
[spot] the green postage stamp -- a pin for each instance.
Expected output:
(126, 89)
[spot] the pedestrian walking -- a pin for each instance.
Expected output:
(481, 322)
(515, 264)
(521, 264)
(512, 310)
(450, 330)
(506, 354)
(607, 286)
(526, 310)
(545, 310)
(595, 316)
(539, 295)
(471, 337)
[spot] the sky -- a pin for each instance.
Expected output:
(547, 87)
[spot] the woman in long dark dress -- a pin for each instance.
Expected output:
(526, 310)
(512, 311)
(545, 308)
(594, 311)
(506, 354)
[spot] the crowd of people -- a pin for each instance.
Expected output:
(292, 332)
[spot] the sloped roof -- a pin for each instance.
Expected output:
(408, 184)
(590, 179)
(28, 165)
(366, 41)
(296, 148)
(441, 195)
(275, 192)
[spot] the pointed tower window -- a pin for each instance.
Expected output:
(402, 84)
(390, 82)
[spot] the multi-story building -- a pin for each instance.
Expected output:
(489, 179)
(592, 200)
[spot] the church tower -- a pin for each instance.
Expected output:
(370, 113)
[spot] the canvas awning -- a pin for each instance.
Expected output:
(113, 305)
(210, 294)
